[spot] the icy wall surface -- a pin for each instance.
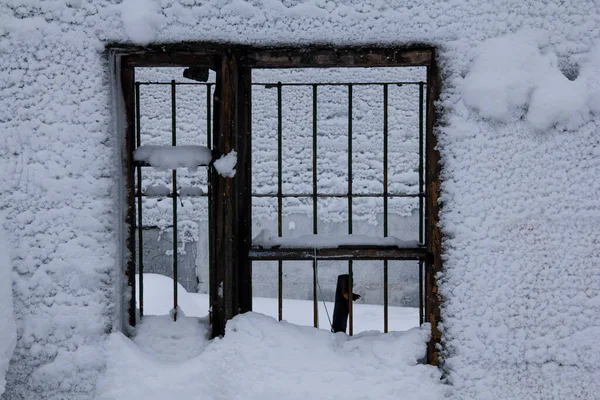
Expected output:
(8, 328)
(520, 212)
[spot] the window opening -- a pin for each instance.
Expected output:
(352, 118)
(229, 203)
(172, 204)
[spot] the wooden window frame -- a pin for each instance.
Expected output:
(230, 225)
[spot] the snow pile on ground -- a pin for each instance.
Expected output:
(366, 317)
(8, 329)
(513, 78)
(262, 359)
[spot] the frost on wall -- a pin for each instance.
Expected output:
(517, 77)
(8, 329)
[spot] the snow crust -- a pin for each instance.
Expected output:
(8, 328)
(520, 208)
(172, 157)
(268, 239)
(225, 165)
(260, 358)
(512, 78)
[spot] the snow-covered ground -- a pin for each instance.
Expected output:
(367, 317)
(263, 359)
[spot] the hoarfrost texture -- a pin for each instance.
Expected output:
(520, 210)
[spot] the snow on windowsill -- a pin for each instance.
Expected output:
(266, 239)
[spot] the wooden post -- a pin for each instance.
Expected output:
(433, 264)
(231, 285)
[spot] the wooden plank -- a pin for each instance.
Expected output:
(127, 87)
(243, 189)
(231, 287)
(339, 253)
(336, 57)
(433, 234)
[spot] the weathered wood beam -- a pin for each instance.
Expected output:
(231, 285)
(127, 79)
(433, 233)
(331, 57)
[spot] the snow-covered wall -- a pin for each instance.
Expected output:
(517, 136)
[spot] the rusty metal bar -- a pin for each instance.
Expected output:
(315, 197)
(174, 173)
(279, 198)
(339, 253)
(385, 207)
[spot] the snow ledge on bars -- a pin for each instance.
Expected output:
(172, 157)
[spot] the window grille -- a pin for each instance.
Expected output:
(228, 102)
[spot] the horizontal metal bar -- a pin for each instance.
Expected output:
(270, 85)
(339, 253)
(176, 83)
(170, 195)
(338, 195)
(274, 85)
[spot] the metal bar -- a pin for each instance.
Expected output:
(421, 203)
(208, 116)
(421, 298)
(209, 144)
(334, 195)
(351, 278)
(421, 157)
(385, 207)
(279, 198)
(273, 85)
(139, 205)
(269, 85)
(174, 143)
(315, 208)
(339, 253)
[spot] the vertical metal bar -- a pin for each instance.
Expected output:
(139, 203)
(314, 197)
(421, 293)
(279, 198)
(385, 206)
(209, 186)
(174, 143)
(208, 116)
(421, 157)
(421, 203)
(351, 277)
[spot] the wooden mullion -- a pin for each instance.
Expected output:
(231, 288)
(127, 87)
(323, 57)
(433, 237)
